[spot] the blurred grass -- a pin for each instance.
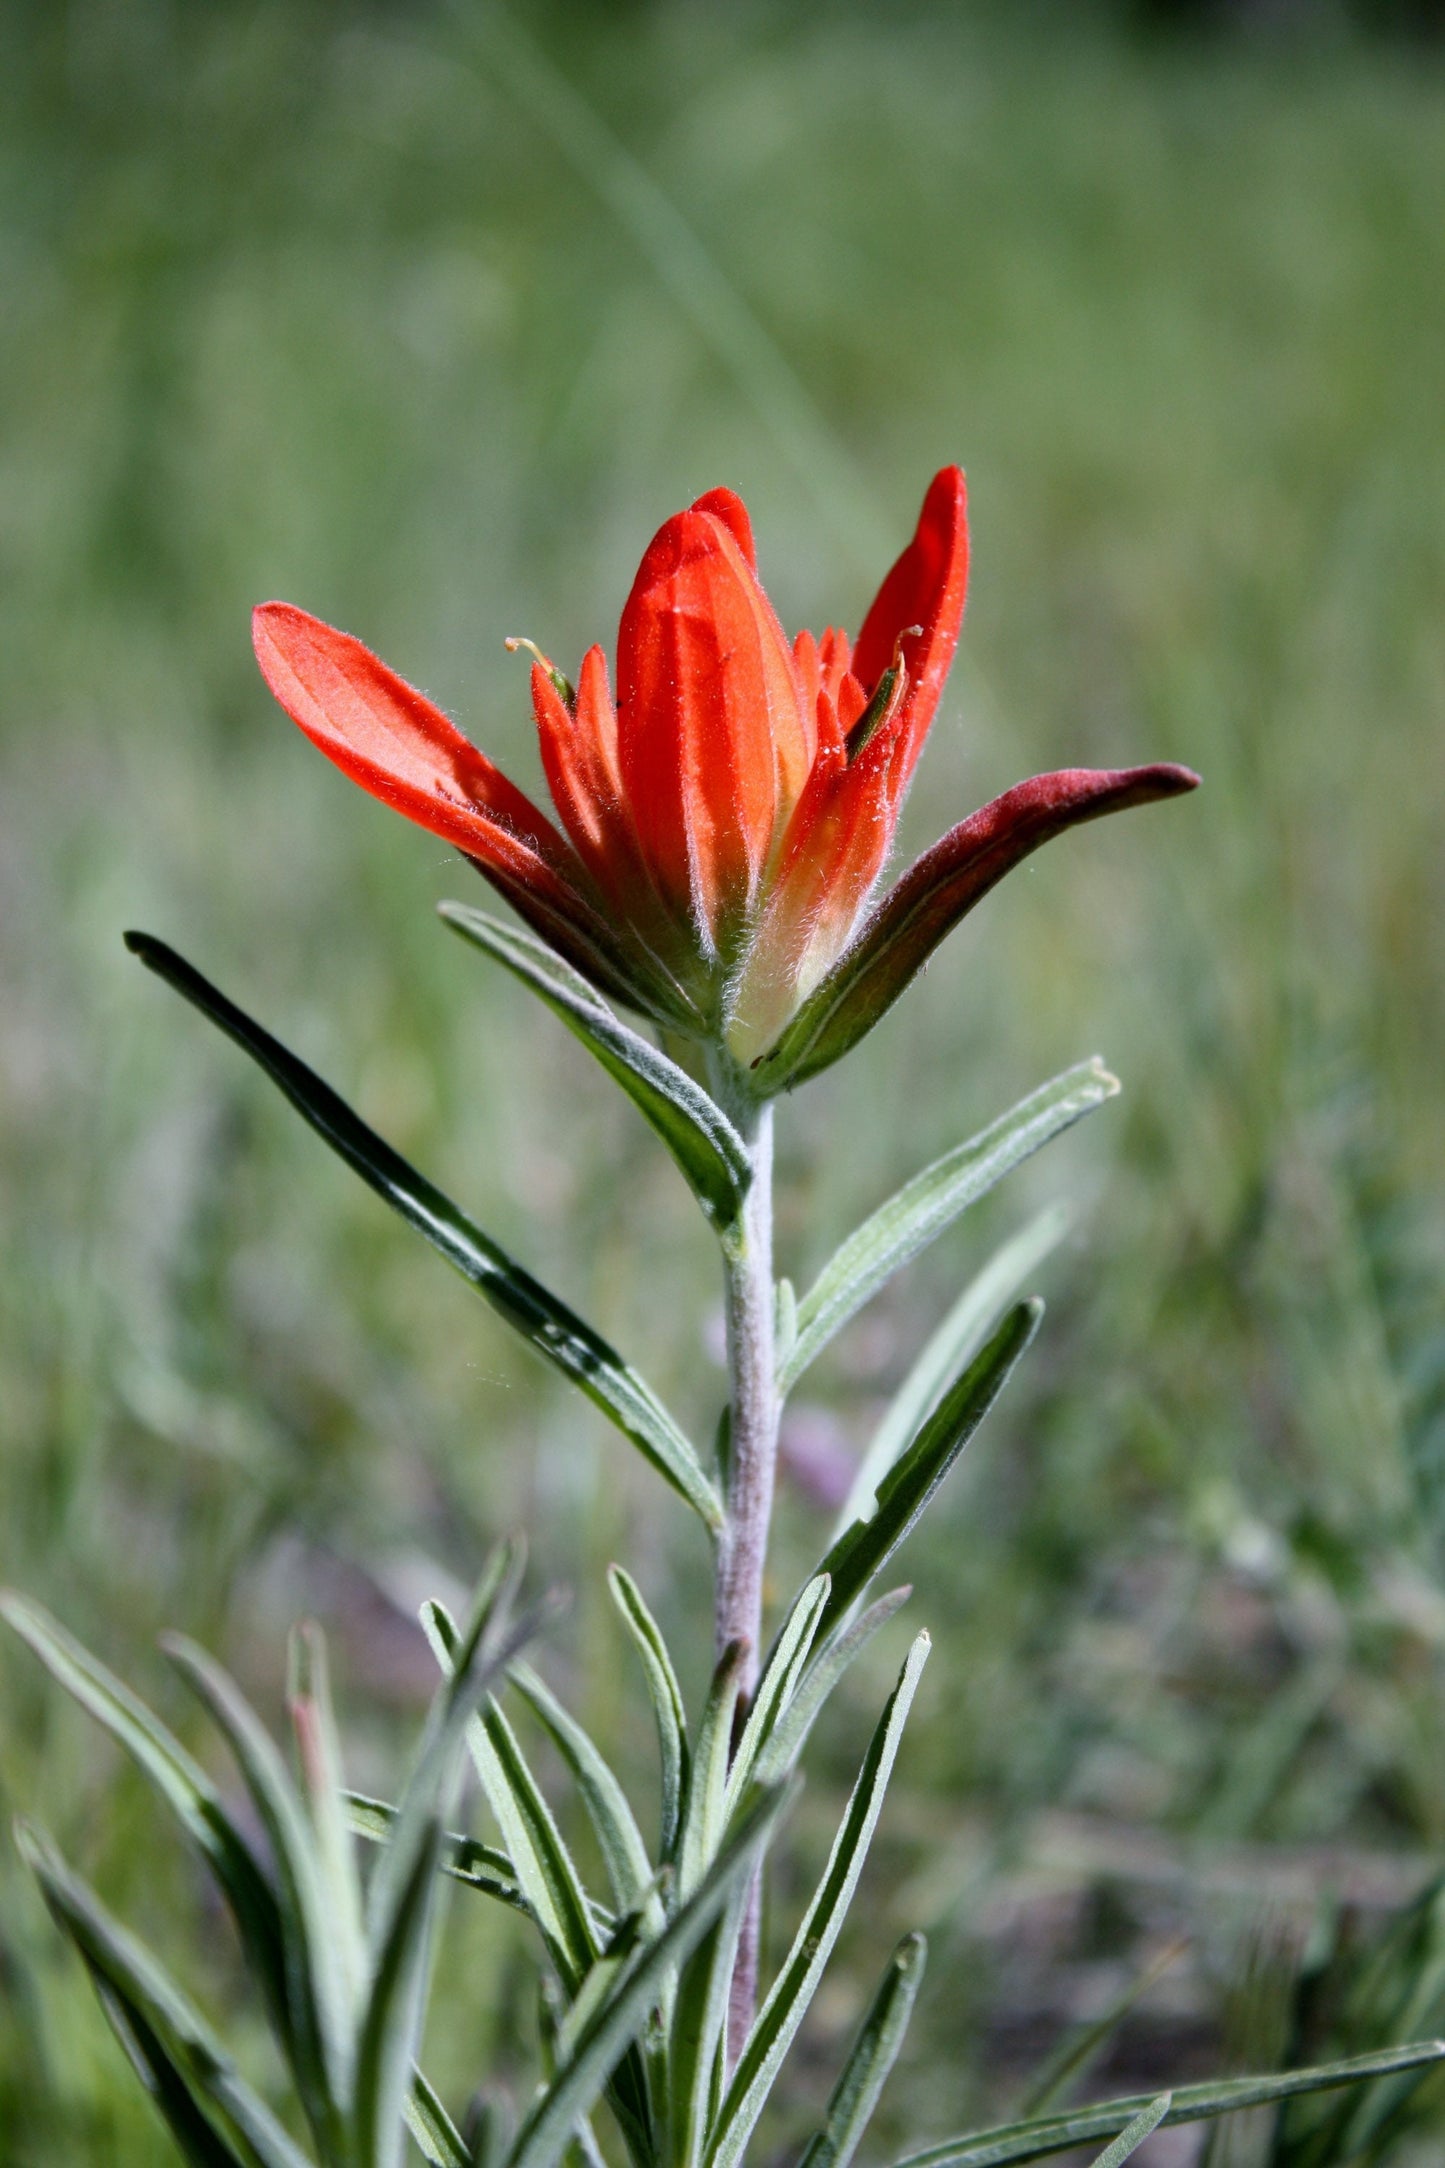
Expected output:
(424, 319)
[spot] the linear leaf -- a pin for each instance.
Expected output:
(121, 1964)
(404, 1889)
(545, 2131)
(827, 1668)
(540, 1860)
(180, 1781)
(163, 2078)
(667, 1704)
(863, 1549)
(954, 1342)
(553, 1330)
(778, 1683)
(1010, 2143)
(1130, 2139)
(323, 2003)
(713, 1158)
(920, 1211)
(465, 1859)
(438, 2139)
(703, 1812)
(319, 1752)
(623, 1852)
(870, 2059)
(788, 1999)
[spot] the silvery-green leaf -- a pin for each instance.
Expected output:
(119, 1964)
(620, 1841)
(544, 2133)
(706, 1146)
(956, 1341)
(667, 1705)
(822, 1675)
(322, 1999)
(182, 1784)
(778, 1684)
(787, 2001)
(439, 2141)
(318, 1748)
(703, 1814)
(1132, 2137)
(465, 1859)
(1011, 2143)
(165, 2081)
(870, 2059)
(548, 1326)
(540, 1860)
(864, 1548)
(921, 1210)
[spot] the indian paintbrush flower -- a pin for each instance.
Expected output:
(724, 822)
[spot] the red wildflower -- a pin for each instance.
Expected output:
(725, 823)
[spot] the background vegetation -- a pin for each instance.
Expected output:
(424, 318)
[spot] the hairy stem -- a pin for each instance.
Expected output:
(752, 1460)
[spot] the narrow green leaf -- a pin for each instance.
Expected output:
(323, 2003)
(703, 1815)
(1080, 2049)
(554, 1331)
(788, 1999)
(667, 1705)
(1035, 2140)
(163, 2078)
(696, 2040)
(138, 1983)
(624, 1854)
(713, 1158)
(1130, 2139)
(319, 1751)
(544, 2133)
(540, 1859)
(404, 1890)
(465, 1859)
(778, 1684)
(438, 2139)
(920, 1211)
(182, 1784)
(870, 2059)
(827, 1668)
(956, 1341)
(862, 1550)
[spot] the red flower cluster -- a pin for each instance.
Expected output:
(726, 820)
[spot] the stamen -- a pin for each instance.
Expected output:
(561, 685)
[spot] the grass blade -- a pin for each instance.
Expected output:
(544, 2133)
(667, 1704)
(872, 2056)
(956, 1341)
(554, 1331)
(862, 1550)
(712, 1156)
(120, 1964)
(788, 1999)
(920, 1211)
(1014, 2142)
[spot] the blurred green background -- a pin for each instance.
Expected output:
(424, 318)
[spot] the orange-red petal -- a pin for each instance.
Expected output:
(713, 744)
(926, 587)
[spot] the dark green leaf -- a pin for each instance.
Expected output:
(545, 1323)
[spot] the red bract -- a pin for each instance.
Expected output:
(726, 821)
